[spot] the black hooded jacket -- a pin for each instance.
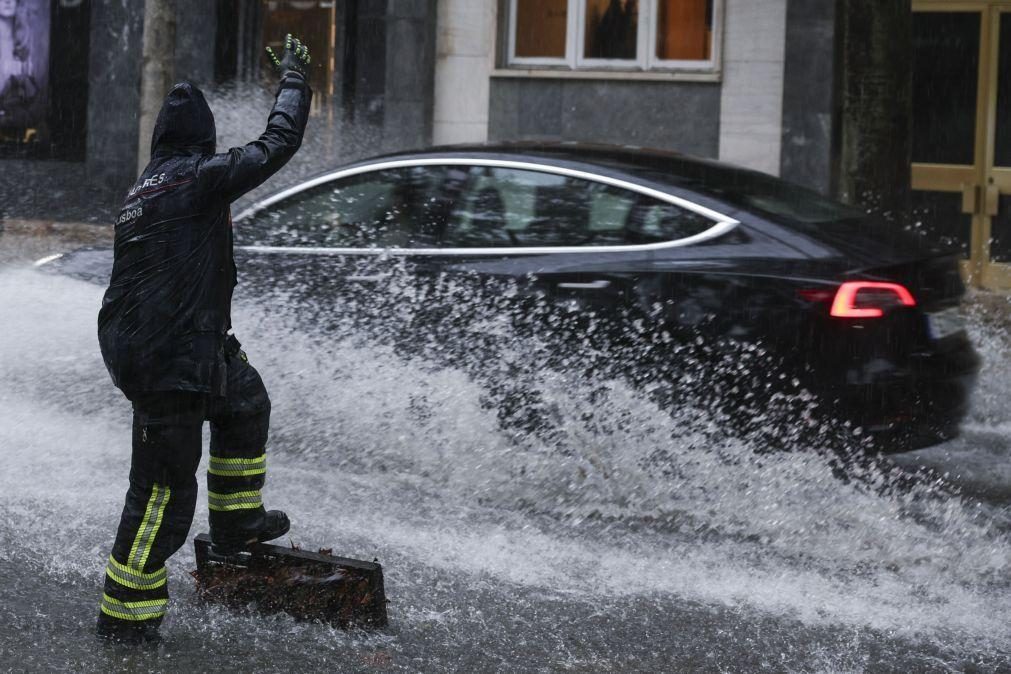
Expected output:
(165, 314)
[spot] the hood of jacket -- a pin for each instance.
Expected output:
(185, 123)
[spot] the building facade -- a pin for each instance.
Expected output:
(794, 88)
(70, 116)
(911, 100)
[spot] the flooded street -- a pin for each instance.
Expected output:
(562, 307)
(501, 554)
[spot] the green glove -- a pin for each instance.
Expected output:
(296, 57)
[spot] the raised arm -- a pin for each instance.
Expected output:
(231, 174)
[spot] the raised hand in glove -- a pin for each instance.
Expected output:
(295, 58)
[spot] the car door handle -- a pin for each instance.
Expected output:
(368, 278)
(591, 285)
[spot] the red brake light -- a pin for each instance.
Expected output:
(868, 299)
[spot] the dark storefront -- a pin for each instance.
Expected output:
(69, 117)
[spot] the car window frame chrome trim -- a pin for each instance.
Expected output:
(722, 224)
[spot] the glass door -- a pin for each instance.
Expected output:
(315, 23)
(962, 131)
(997, 207)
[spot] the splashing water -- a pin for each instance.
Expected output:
(622, 537)
(240, 113)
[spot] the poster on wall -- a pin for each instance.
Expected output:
(24, 71)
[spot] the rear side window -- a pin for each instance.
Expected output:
(491, 207)
(395, 208)
(757, 192)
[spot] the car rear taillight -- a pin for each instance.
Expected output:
(869, 299)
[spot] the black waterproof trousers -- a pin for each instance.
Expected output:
(163, 487)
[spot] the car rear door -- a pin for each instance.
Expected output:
(579, 240)
(549, 264)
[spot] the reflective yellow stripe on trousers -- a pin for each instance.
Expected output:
(135, 579)
(148, 527)
(238, 467)
(241, 500)
(133, 610)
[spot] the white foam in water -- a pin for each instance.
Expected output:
(979, 459)
(402, 456)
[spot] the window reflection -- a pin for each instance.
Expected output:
(612, 29)
(312, 22)
(385, 209)
(467, 207)
(1002, 147)
(945, 62)
(541, 28)
(684, 30)
(493, 207)
(680, 34)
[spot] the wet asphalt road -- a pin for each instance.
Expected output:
(498, 559)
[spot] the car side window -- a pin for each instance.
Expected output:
(393, 208)
(504, 207)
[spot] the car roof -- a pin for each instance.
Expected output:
(649, 163)
(720, 187)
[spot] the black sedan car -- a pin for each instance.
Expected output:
(866, 314)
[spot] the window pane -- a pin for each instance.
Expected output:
(494, 208)
(939, 215)
(684, 30)
(1002, 149)
(541, 27)
(753, 191)
(945, 71)
(312, 22)
(1000, 237)
(612, 29)
(653, 221)
(397, 208)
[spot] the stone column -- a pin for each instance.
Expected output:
(876, 100)
(751, 105)
(157, 70)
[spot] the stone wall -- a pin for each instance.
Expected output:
(117, 28)
(751, 108)
(196, 31)
(410, 74)
(465, 58)
(680, 116)
(809, 94)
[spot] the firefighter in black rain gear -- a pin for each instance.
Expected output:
(163, 330)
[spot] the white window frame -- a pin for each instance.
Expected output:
(646, 59)
(570, 43)
(715, 49)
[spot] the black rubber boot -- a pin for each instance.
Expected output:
(271, 525)
(121, 632)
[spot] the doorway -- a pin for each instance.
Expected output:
(962, 131)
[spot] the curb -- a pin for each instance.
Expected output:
(74, 232)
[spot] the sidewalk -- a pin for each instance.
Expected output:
(990, 307)
(29, 240)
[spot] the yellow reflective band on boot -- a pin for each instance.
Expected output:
(133, 610)
(237, 467)
(241, 500)
(149, 527)
(135, 579)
